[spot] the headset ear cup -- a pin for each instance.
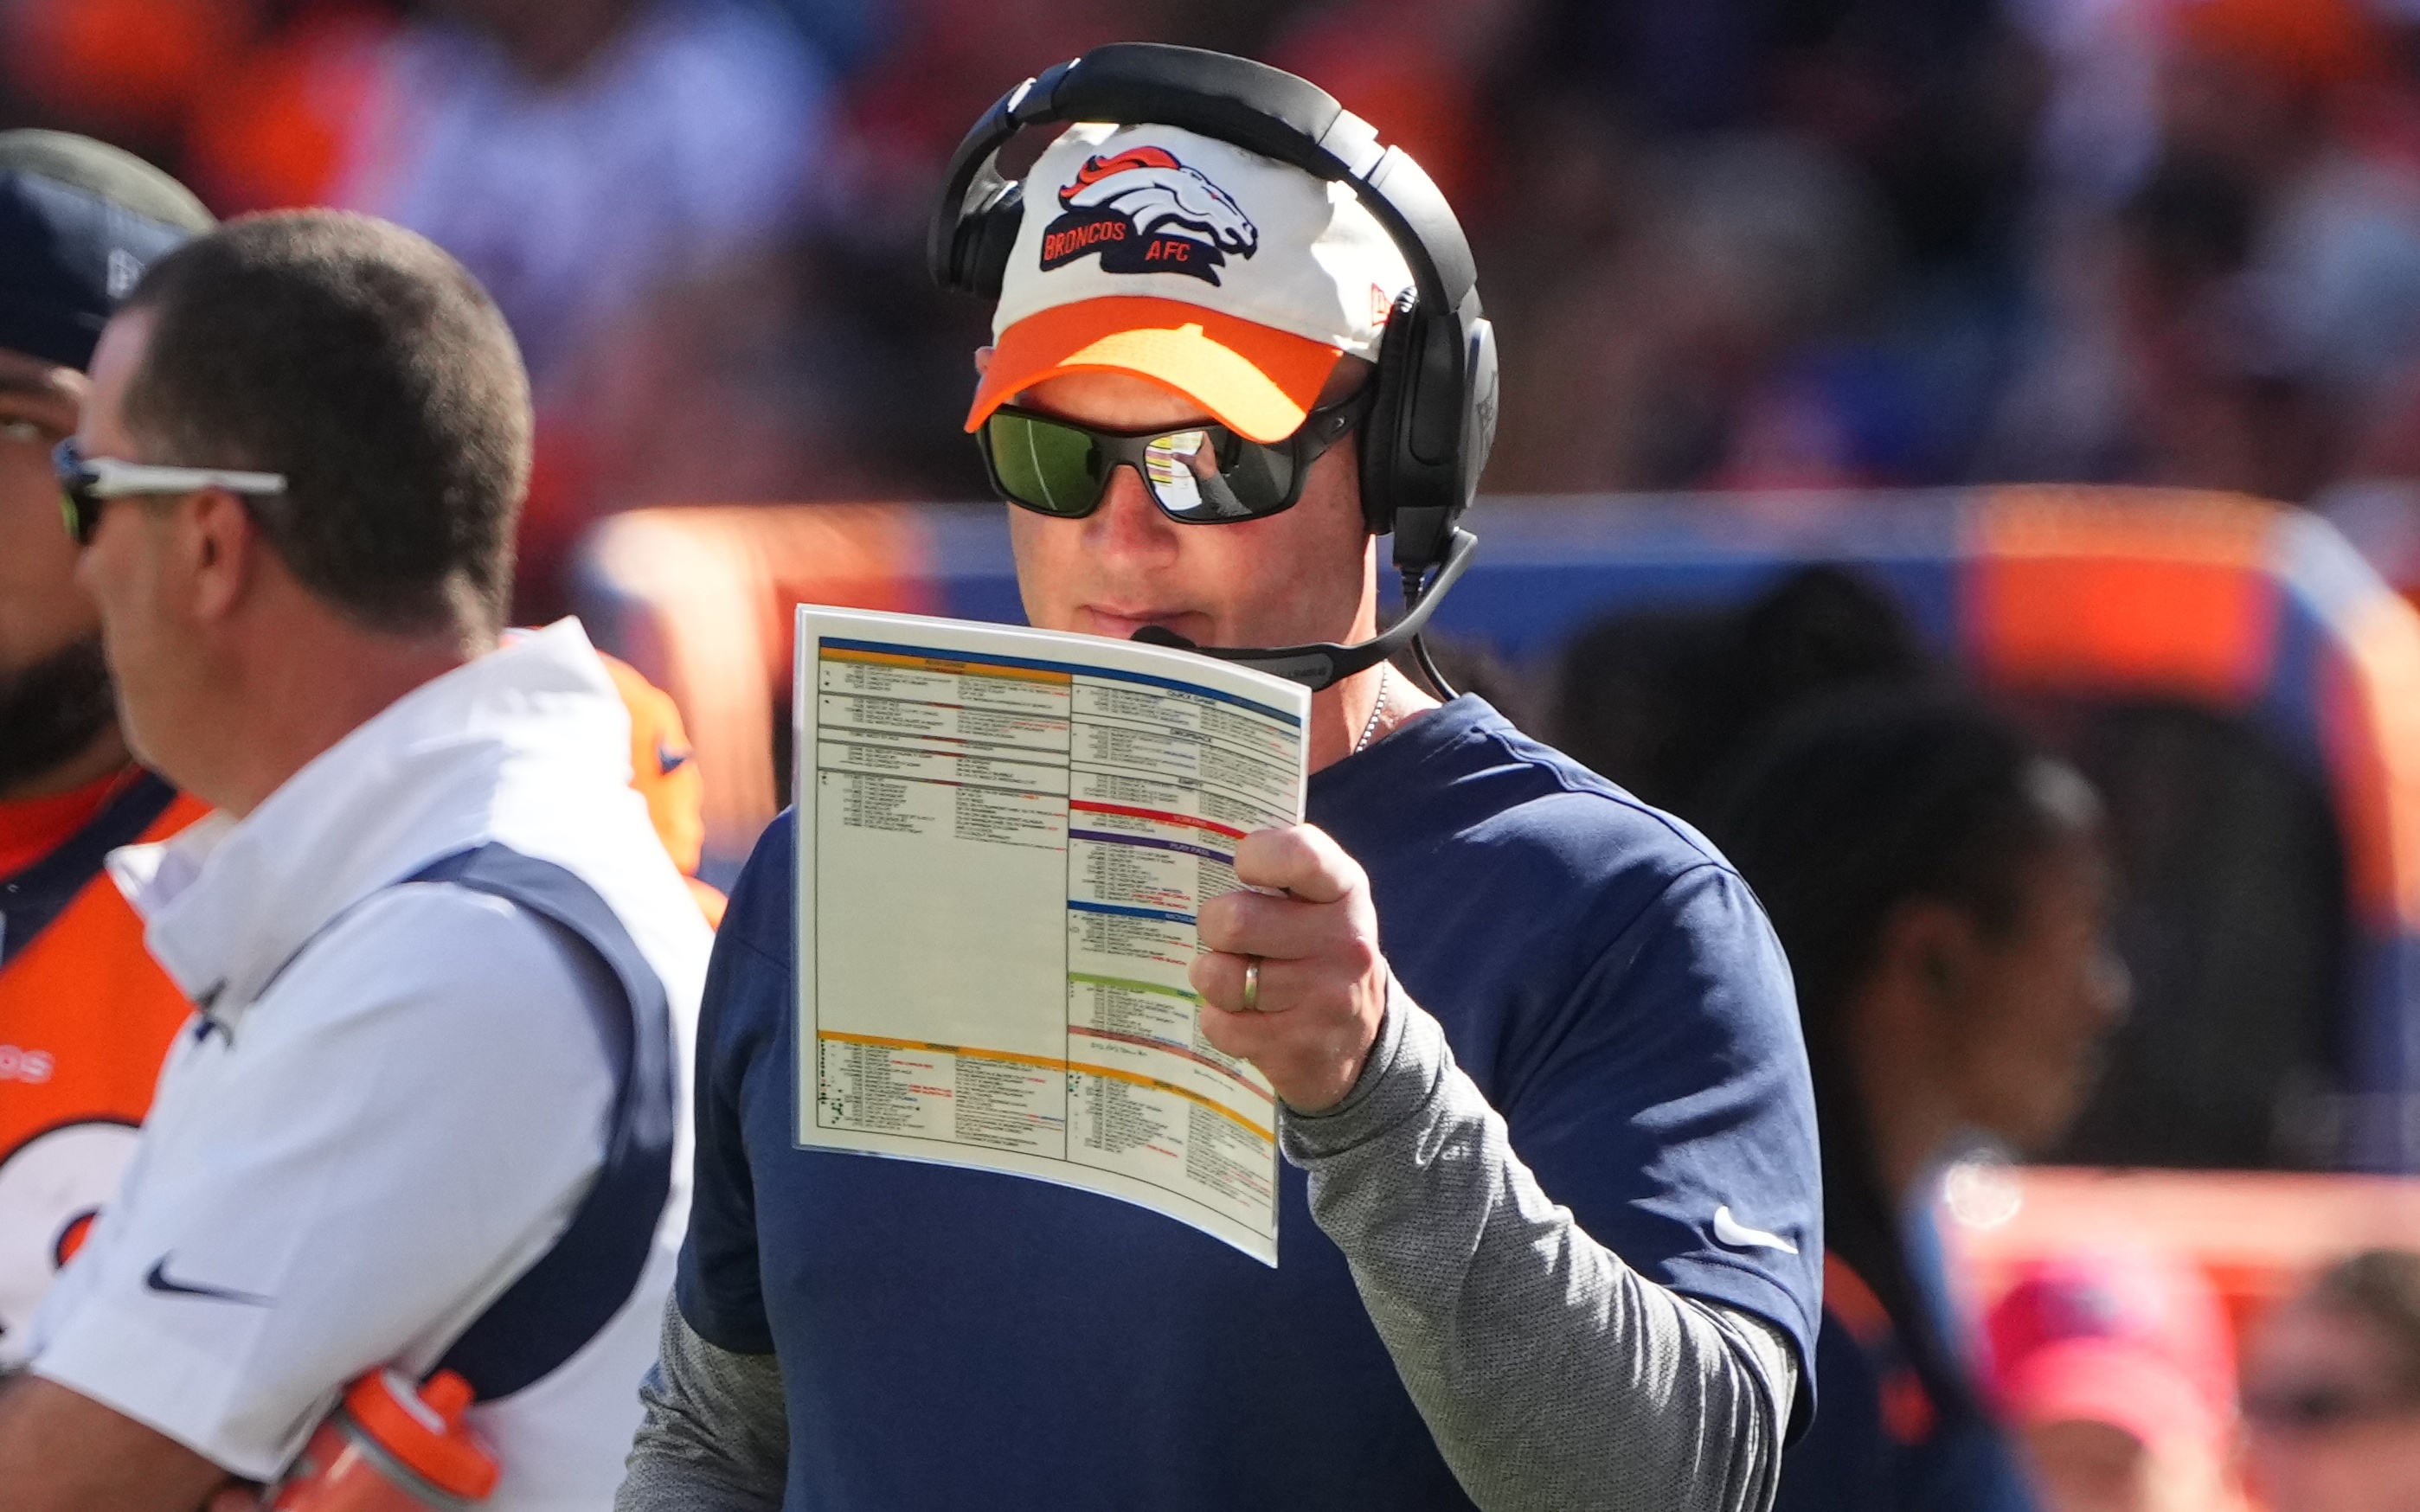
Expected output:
(1382, 433)
(985, 237)
(1478, 426)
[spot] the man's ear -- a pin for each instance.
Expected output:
(222, 553)
(1926, 949)
(982, 361)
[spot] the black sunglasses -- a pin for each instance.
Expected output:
(2322, 1405)
(86, 483)
(1202, 474)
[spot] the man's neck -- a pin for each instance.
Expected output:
(102, 755)
(1350, 716)
(1908, 1118)
(285, 711)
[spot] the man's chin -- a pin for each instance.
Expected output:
(53, 710)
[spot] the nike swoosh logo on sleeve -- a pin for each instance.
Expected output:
(1729, 1230)
(160, 1281)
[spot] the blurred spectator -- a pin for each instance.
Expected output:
(586, 159)
(845, 32)
(1756, 245)
(580, 157)
(1941, 891)
(250, 99)
(950, 58)
(1414, 68)
(1652, 300)
(126, 68)
(576, 153)
(2115, 1368)
(2332, 1392)
(2244, 319)
(2099, 131)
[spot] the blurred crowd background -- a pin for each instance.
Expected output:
(1730, 243)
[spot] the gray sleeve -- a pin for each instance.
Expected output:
(716, 1436)
(1549, 1372)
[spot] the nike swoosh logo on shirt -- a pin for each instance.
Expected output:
(1729, 1230)
(160, 1281)
(668, 760)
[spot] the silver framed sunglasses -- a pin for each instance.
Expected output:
(88, 483)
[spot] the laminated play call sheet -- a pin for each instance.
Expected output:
(1005, 835)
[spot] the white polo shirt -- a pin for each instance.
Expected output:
(347, 1164)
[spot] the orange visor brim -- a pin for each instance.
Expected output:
(1257, 381)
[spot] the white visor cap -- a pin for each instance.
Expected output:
(1228, 277)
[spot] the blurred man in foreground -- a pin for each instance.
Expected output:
(427, 1117)
(2332, 1392)
(86, 1017)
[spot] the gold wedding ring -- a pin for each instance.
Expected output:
(1251, 984)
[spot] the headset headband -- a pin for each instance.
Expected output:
(1253, 106)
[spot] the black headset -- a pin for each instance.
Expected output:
(1432, 414)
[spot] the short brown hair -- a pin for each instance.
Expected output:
(371, 369)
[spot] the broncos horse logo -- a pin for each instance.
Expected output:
(51, 1187)
(1146, 212)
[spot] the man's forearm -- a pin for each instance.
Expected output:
(716, 1436)
(1550, 1373)
(60, 1451)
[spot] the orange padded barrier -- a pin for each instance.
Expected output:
(2085, 587)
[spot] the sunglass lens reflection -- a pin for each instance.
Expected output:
(1215, 476)
(1045, 467)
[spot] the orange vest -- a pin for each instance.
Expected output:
(86, 1019)
(1906, 1407)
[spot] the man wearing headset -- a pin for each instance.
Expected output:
(1546, 1107)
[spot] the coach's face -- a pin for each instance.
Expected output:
(139, 569)
(1307, 574)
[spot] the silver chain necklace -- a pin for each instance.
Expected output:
(1377, 709)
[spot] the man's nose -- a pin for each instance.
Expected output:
(1128, 523)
